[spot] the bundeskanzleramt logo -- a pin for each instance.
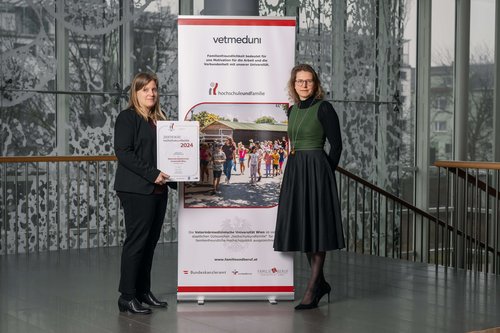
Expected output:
(213, 88)
(205, 272)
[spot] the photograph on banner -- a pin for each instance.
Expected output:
(243, 152)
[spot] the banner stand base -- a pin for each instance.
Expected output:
(272, 300)
(202, 298)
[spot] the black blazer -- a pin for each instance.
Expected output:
(135, 149)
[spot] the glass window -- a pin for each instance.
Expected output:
(155, 49)
(441, 93)
(407, 99)
(8, 21)
(440, 126)
(441, 76)
(27, 74)
(94, 69)
(481, 81)
(198, 6)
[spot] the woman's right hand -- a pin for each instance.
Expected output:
(162, 178)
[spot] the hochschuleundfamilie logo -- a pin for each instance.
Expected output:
(213, 88)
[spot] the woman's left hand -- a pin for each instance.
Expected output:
(162, 178)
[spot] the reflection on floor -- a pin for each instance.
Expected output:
(76, 292)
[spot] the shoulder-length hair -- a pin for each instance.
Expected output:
(318, 89)
(140, 80)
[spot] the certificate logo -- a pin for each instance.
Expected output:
(213, 88)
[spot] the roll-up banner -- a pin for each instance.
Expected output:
(233, 74)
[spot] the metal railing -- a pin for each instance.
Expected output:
(468, 200)
(63, 202)
(377, 222)
(57, 203)
(462, 231)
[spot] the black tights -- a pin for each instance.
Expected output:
(316, 262)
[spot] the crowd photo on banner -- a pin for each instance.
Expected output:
(232, 170)
(241, 160)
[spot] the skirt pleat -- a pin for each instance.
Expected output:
(309, 216)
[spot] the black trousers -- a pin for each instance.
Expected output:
(144, 216)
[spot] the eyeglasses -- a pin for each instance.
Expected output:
(302, 82)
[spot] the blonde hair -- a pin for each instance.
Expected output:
(318, 90)
(140, 80)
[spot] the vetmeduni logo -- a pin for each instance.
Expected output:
(213, 88)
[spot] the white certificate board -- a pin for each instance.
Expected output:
(178, 149)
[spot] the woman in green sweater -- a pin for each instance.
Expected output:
(309, 218)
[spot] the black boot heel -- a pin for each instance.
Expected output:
(151, 300)
(132, 306)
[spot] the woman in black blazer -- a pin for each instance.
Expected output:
(142, 190)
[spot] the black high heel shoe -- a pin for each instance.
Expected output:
(132, 306)
(323, 288)
(312, 305)
(151, 300)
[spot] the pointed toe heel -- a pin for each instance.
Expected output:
(309, 306)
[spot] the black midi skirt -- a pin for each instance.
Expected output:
(309, 216)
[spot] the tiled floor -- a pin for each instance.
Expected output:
(76, 292)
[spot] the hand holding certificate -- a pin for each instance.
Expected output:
(178, 149)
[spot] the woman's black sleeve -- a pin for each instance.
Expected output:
(328, 118)
(124, 148)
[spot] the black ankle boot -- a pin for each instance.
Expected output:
(132, 306)
(151, 300)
